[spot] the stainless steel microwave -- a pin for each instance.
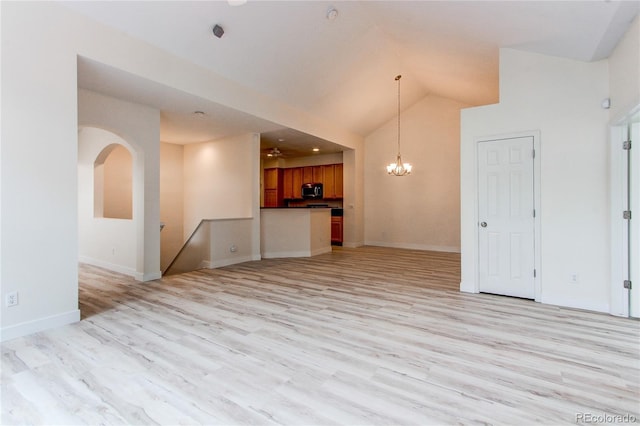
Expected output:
(312, 190)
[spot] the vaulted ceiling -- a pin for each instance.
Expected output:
(343, 69)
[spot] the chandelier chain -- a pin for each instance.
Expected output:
(398, 80)
(399, 168)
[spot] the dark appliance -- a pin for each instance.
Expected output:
(311, 191)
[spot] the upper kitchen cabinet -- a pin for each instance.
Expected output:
(273, 187)
(292, 183)
(332, 180)
(312, 174)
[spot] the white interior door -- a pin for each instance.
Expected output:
(634, 223)
(506, 217)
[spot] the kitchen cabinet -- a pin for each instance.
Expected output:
(271, 178)
(332, 180)
(337, 173)
(297, 182)
(312, 174)
(287, 183)
(271, 198)
(336, 230)
(317, 174)
(292, 183)
(307, 175)
(273, 187)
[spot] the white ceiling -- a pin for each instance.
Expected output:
(343, 69)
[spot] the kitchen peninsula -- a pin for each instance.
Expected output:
(295, 232)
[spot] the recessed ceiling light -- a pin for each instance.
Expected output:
(316, 149)
(281, 140)
(199, 113)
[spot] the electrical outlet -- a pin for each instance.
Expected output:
(574, 278)
(11, 299)
(233, 248)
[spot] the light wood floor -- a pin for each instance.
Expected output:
(359, 336)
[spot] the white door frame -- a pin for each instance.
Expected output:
(619, 296)
(535, 134)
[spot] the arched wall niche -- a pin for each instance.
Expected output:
(113, 183)
(107, 196)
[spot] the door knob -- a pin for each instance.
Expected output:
(483, 224)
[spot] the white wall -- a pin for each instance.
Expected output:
(222, 181)
(561, 99)
(171, 201)
(218, 180)
(140, 126)
(231, 241)
(39, 137)
(421, 210)
(353, 202)
(106, 242)
(624, 73)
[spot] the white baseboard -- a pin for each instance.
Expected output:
(149, 276)
(321, 250)
(125, 270)
(349, 244)
(219, 263)
(577, 304)
(426, 247)
(34, 326)
(301, 253)
(280, 254)
(468, 287)
(111, 266)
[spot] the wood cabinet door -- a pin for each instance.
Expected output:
(271, 198)
(307, 174)
(287, 184)
(317, 174)
(328, 181)
(270, 178)
(337, 174)
(297, 182)
(336, 229)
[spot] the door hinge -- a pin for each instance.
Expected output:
(534, 153)
(627, 284)
(534, 212)
(534, 273)
(626, 214)
(626, 145)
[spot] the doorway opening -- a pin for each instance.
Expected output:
(625, 220)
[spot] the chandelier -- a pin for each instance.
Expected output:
(399, 168)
